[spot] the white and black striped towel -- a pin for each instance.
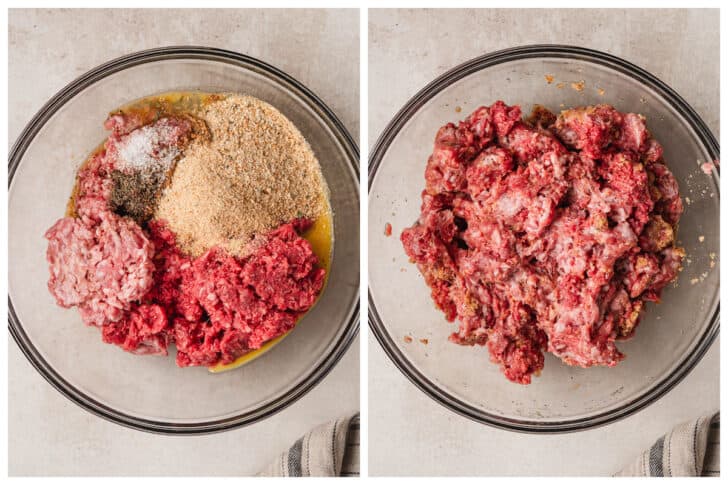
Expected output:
(692, 449)
(330, 450)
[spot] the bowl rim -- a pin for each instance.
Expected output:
(351, 323)
(658, 389)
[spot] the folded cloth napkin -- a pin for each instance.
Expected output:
(692, 449)
(330, 450)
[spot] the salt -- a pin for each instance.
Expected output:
(149, 148)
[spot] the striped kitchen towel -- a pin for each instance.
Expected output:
(330, 450)
(692, 449)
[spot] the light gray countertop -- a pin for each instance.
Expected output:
(410, 434)
(49, 435)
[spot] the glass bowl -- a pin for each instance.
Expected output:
(152, 393)
(673, 335)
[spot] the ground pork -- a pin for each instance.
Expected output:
(100, 264)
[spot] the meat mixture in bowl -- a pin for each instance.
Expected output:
(546, 234)
(189, 227)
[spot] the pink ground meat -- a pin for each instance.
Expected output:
(100, 265)
(547, 234)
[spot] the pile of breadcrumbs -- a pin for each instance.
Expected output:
(255, 172)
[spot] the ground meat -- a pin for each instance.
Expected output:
(94, 187)
(221, 307)
(547, 234)
(100, 264)
(141, 331)
(173, 271)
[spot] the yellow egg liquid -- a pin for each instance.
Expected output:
(319, 235)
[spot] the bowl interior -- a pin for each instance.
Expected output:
(153, 388)
(669, 332)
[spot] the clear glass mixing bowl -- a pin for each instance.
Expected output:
(151, 393)
(673, 335)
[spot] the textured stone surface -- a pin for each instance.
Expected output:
(48, 434)
(410, 434)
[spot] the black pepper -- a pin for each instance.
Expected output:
(136, 194)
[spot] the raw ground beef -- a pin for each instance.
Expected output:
(145, 294)
(546, 234)
(220, 307)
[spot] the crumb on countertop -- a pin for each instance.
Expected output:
(578, 86)
(407, 339)
(388, 229)
(549, 78)
(707, 168)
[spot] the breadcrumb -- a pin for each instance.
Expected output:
(256, 172)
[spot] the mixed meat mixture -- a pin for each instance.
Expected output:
(122, 267)
(546, 234)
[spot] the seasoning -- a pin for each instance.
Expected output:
(148, 148)
(256, 172)
(143, 160)
(136, 194)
